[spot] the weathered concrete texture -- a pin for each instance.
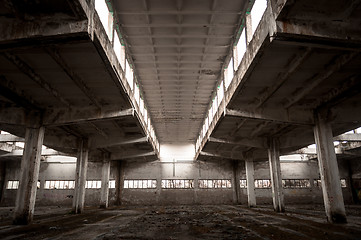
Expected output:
(331, 188)
(276, 177)
(183, 222)
(251, 195)
(29, 173)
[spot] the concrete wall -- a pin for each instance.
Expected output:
(57, 171)
(220, 169)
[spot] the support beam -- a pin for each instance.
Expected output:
(330, 176)
(27, 70)
(9, 90)
(29, 173)
(110, 142)
(10, 138)
(27, 33)
(314, 81)
(104, 194)
(54, 53)
(329, 35)
(356, 137)
(254, 142)
(121, 156)
(45, 152)
(290, 116)
(60, 117)
(81, 173)
(251, 195)
(297, 60)
(276, 178)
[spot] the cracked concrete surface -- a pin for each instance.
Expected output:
(183, 222)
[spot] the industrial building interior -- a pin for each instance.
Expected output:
(180, 119)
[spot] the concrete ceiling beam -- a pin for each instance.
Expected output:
(54, 53)
(122, 156)
(296, 117)
(356, 137)
(27, 70)
(58, 117)
(9, 90)
(312, 83)
(44, 152)
(249, 142)
(10, 138)
(319, 34)
(115, 141)
(16, 33)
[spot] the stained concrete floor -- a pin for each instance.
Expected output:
(183, 222)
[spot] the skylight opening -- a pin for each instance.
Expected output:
(240, 48)
(129, 74)
(105, 16)
(257, 11)
(228, 74)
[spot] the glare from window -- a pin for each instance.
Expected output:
(177, 152)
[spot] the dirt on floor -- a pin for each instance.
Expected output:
(183, 222)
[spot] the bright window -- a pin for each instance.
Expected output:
(243, 183)
(262, 183)
(240, 48)
(12, 184)
(296, 183)
(228, 73)
(220, 93)
(105, 16)
(59, 184)
(93, 184)
(177, 183)
(119, 51)
(140, 183)
(257, 12)
(214, 183)
(129, 74)
(112, 184)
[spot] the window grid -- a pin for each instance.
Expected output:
(214, 183)
(12, 184)
(243, 183)
(140, 183)
(95, 184)
(317, 183)
(59, 184)
(177, 183)
(262, 183)
(296, 183)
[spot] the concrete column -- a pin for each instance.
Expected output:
(236, 187)
(120, 182)
(77, 175)
(29, 173)
(105, 182)
(330, 176)
(250, 183)
(276, 178)
(81, 172)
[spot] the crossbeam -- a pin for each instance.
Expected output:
(60, 117)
